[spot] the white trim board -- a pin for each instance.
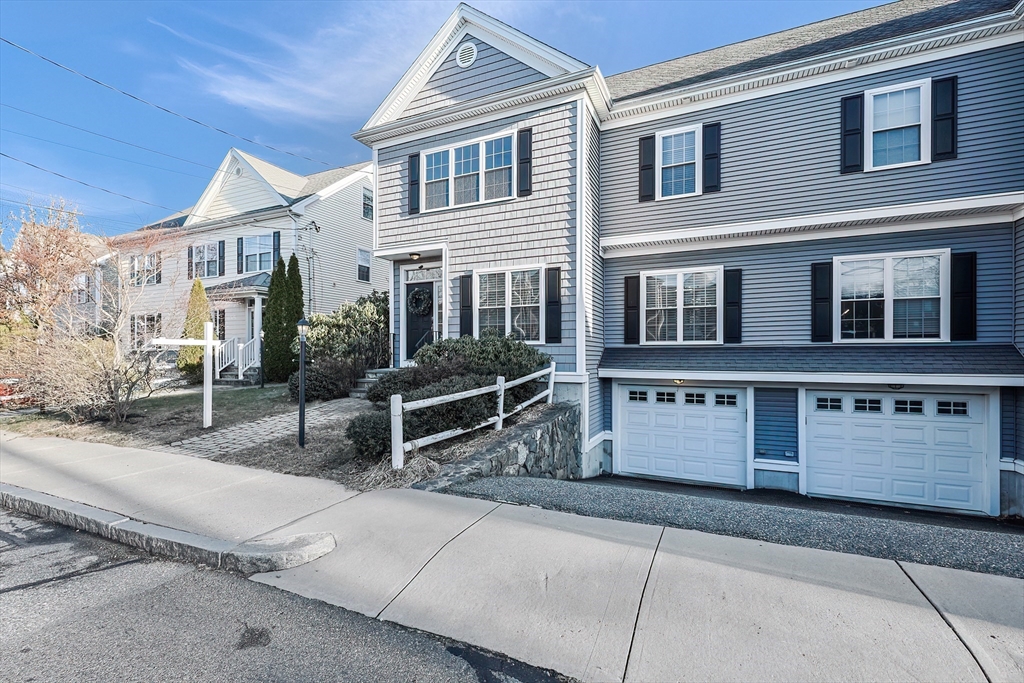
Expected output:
(817, 378)
(215, 185)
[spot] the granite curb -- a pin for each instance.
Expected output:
(249, 557)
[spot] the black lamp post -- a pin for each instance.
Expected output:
(303, 329)
(261, 360)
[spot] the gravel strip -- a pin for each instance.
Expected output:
(996, 551)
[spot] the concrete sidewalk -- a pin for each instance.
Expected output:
(594, 599)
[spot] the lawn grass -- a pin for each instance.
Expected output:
(162, 418)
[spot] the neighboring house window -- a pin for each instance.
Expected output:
(892, 297)
(220, 323)
(682, 306)
(678, 170)
(362, 265)
(83, 290)
(258, 253)
(367, 203)
(510, 303)
(462, 175)
(142, 328)
(898, 119)
(205, 261)
(145, 269)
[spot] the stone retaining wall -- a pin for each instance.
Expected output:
(545, 444)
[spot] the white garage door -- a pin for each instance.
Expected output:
(697, 434)
(922, 449)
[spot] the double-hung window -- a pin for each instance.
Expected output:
(678, 162)
(892, 297)
(898, 119)
(452, 177)
(682, 306)
(367, 203)
(205, 260)
(145, 269)
(362, 265)
(258, 253)
(509, 302)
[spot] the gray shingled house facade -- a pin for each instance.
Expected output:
(793, 262)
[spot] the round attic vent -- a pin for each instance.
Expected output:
(238, 171)
(465, 55)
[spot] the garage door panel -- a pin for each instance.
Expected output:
(698, 442)
(932, 458)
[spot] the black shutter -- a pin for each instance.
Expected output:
(466, 306)
(159, 265)
(553, 306)
(852, 136)
(525, 165)
(963, 270)
(733, 303)
(241, 256)
(944, 118)
(221, 317)
(632, 301)
(414, 184)
(277, 249)
(647, 169)
(159, 325)
(712, 157)
(821, 302)
(190, 263)
(220, 258)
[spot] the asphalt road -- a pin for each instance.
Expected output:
(74, 607)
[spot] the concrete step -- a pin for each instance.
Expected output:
(357, 393)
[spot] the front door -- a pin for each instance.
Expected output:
(419, 316)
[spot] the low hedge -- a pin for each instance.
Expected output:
(409, 379)
(326, 379)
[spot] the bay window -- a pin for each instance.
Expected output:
(892, 297)
(452, 177)
(682, 306)
(509, 302)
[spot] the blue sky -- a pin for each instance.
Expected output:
(298, 76)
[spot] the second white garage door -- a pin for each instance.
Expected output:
(921, 449)
(692, 433)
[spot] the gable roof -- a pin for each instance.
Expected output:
(844, 32)
(530, 51)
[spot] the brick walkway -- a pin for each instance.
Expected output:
(247, 434)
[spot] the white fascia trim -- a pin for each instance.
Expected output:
(817, 378)
(837, 66)
(610, 245)
(598, 439)
(1018, 212)
(439, 247)
(300, 207)
(580, 257)
(208, 196)
(463, 20)
(1009, 466)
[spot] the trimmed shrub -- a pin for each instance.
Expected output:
(370, 434)
(409, 379)
(326, 379)
(356, 330)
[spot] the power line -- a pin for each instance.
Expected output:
(137, 220)
(80, 182)
(4, 200)
(157, 106)
(107, 137)
(109, 156)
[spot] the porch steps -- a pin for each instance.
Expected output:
(229, 377)
(363, 385)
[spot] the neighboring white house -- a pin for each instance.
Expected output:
(250, 214)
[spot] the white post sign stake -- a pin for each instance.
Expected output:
(209, 344)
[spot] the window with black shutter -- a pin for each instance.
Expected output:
(963, 303)
(220, 258)
(277, 249)
(944, 95)
(190, 263)
(852, 134)
(524, 182)
(632, 305)
(466, 306)
(646, 179)
(414, 184)
(553, 306)
(712, 157)
(241, 255)
(821, 302)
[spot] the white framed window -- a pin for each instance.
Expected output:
(83, 290)
(892, 297)
(898, 125)
(682, 306)
(678, 156)
(471, 173)
(509, 302)
(143, 327)
(259, 251)
(367, 203)
(146, 269)
(205, 260)
(362, 265)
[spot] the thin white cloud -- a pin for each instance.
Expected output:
(341, 69)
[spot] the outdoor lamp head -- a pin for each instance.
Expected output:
(303, 328)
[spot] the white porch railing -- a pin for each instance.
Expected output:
(248, 355)
(399, 447)
(227, 353)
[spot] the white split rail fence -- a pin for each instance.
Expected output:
(399, 447)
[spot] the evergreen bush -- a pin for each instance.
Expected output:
(190, 358)
(278, 332)
(326, 379)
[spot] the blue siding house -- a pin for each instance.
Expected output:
(793, 262)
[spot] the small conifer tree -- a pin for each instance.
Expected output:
(190, 358)
(277, 331)
(296, 304)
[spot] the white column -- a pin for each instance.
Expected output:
(208, 375)
(257, 321)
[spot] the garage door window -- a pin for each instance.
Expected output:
(725, 399)
(867, 405)
(665, 397)
(908, 407)
(637, 396)
(892, 297)
(828, 403)
(682, 306)
(694, 399)
(951, 408)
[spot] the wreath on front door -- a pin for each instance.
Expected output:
(420, 302)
